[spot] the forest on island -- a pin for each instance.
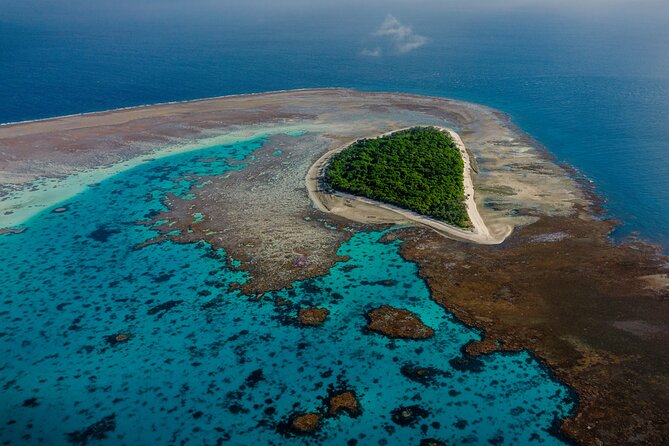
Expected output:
(419, 169)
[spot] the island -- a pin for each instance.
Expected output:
(419, 169)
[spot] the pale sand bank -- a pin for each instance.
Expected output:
(365, 210)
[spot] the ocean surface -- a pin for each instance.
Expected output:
(200, 364)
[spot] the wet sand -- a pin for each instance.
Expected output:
(595, 312)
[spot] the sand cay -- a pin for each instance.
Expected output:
(364, 210)
(543, 274)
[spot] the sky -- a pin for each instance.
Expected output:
(75, 10)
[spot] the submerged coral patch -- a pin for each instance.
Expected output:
(102, 233)
(408, 415)
(96, 431)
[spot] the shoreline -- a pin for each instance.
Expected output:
(348, 205)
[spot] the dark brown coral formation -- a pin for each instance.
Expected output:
(118, 338)
(340, 400)
(302, 424)
(275, 248)
(591, 309)
(397, 323)
(312, 316)
(343, 402)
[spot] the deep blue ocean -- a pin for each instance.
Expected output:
(101, 343)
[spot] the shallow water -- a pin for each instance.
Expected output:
(204, 364)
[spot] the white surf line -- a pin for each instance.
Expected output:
(479, 232)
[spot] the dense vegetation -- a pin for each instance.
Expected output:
(419, 169)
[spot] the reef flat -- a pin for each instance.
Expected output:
(593, 312)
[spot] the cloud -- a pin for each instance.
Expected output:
(376, 52)
(402, 37)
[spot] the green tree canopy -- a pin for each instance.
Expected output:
(419, 169)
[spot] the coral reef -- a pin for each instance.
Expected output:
(397, 323)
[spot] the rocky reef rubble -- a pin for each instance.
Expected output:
(312, 316)
(339, 401)
(397, 323)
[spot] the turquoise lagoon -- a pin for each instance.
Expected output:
(204, 365)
